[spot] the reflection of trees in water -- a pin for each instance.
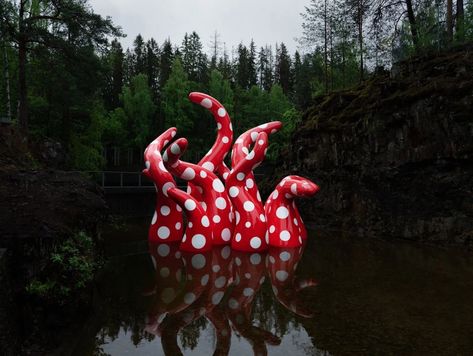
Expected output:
(191, 333)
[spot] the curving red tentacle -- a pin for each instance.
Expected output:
(198, 234)
(214, 198)
(223, 142)
(241, 149)
(250, 228)
(285, 224)
(166, 224)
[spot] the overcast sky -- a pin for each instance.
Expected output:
(266, 21)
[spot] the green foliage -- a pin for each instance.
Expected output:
(221, 89)
(71, 267)
(176, 106)
(139, 108)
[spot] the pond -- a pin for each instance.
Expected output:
(335, 296)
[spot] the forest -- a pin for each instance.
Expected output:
(67, 78)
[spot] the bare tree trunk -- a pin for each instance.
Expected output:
(412, 23)
(360, 39)
(460, 19)
(23, 93)
(325, 47)
(6, 75)
(449, 21)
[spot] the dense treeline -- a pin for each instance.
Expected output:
(74, 85)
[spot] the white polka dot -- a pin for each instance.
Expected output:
(255, 258)
(206, 103)
(220, 203)
(285, 235)
(261, 142)
(225, 175)
(161, 166)
(226, 252)
(275, 194)
(295, 222)
(217, 297)
(221, 112)
(164, 272)
(261, 281)
(226, 234)
(233, 191)
(250, 156)
(282, 212)
(288, 196)
(238, 237)
(281, 275)
(203, 173)
(247, 275)
(188, 174)
(165, 156)
(165, 210)
(204, 280)
(266, 237)
(220, 282)
(203, 205)
(189, 298)
(190, 204)
(254, 136)
(258, 196)
(216, 219)
(284, 256)
(300, 239)
(166, 187)
(178, 208)
(262, 217)
(248, 206)
(198, 261)
(250, 183)
(248, 292)
(184, 238)
(215, 268)
(237, 215)
(248, 224)
(272, 228)
(163, 250)
(168, 295)
(178, 226)
(255, 242)
(240, 176)
(218, 186)
(219, 126)
(232, 303)
(163, 232)
(198, 241)
(272, 259)
(147, 164)
(205, 221)
(294, 188)
(225, 139)
(209, 166)
(155, 217)
(245, 150)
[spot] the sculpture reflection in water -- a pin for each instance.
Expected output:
(223, 206)
(220, 285)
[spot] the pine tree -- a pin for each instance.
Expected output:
(283, 69)
(139, 55)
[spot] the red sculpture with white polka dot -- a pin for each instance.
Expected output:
(166, 225)
(214, 198)
(250, 228)
(218, 213)
(284, 222)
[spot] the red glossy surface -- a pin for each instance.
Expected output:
(166, 224)
(285, 226)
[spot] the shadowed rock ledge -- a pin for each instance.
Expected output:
(394, 156)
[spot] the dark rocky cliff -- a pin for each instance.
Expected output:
(394, 156)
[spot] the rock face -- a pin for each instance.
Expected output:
(394, 157)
